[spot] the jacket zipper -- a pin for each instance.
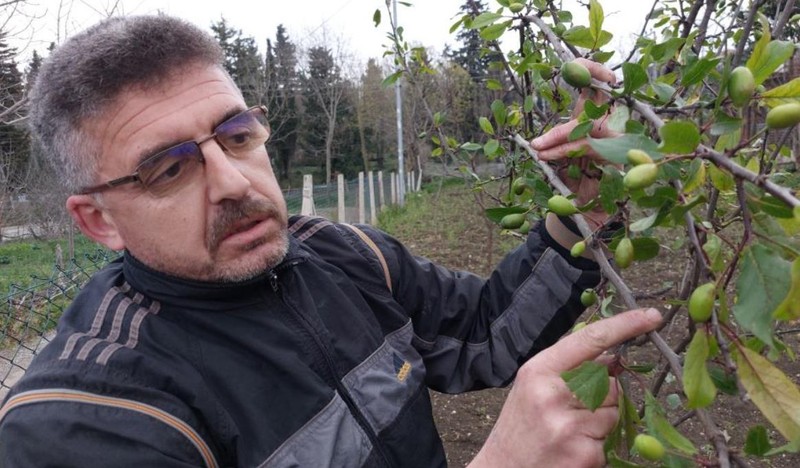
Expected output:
(351, 405)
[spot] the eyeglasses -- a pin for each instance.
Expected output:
(166, 171)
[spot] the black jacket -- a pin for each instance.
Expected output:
(316, 362)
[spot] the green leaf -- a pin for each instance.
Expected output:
(762, 284)
(616, 149)
(791, 447)
(783, 94)
(376, 17)
(619, 116)
(493, 84)
(499, 111)
(679, 137)
(495, 31)
(757, 442)
(486, 126)
(644, 223)
(611, 190)
(697, 384)
(721, 180)
(713, 250)
(471, 147)
(659, 427)
(789, 308)
(771, 391)
(596, 17)
(696, 72)
(589, 383)
(725, 383)
(581, 36)
(635, 77)
(773, 206)
(491, 147)
(528, 105)
(593, 111)
(723, 124)
(581, 130)
(764, 62)
(483, 20)
(389, 80)
(645, 248)
(696, 176)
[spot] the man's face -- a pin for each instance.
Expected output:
(228, 222)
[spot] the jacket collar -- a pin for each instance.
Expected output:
(172, 289)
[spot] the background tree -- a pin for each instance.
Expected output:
(284, 109)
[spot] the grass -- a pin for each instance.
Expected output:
(444, 223)
(23, 262)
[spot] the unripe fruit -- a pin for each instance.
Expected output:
(637, 157)
(741, 86)
(577, 249)
(519, 185)
(588, 297)
(576, 74)
(640, 176)
(512, 221)
(525, 228)
(784, 116)
(516, 7)
(623, 254)
(561, 205)
(649, 447)
(701, 302)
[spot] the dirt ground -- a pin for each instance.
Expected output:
(454, 232)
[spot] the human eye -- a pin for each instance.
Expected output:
(168, 167)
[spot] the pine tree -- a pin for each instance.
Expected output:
(281, 65)
(14, 140)
(469, 55)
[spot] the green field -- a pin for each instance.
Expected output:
(25, 262)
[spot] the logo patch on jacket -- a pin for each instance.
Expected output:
(401, 368)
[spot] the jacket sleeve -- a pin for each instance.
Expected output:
(474, 332)
(49, 428)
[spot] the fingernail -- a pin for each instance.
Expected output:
(653, 314)
(536, 142)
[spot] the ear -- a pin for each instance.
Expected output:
(94, 221)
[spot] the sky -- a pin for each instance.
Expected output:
(346, 21)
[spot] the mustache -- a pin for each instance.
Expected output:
(234, 211)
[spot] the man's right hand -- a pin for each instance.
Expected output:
(542, 423)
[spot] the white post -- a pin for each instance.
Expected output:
(381, 198)
(393, 178)
(340, 183)
(361, 214)
(373, 218)
(307, 208)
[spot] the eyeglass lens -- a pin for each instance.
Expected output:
(172, 167)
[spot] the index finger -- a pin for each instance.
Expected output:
(594, 339)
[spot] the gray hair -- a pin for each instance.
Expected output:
(90, 70)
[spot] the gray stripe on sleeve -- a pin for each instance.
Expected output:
(495, 360)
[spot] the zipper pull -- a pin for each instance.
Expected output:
(273, 280)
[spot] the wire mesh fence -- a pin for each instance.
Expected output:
(28, 313)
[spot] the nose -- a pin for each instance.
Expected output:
(224, 179)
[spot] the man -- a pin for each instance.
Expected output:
(230, 335)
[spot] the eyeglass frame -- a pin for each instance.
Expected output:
(135, 176)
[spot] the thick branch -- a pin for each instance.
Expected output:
(783, 18)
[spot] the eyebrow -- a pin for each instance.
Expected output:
(151, 151)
